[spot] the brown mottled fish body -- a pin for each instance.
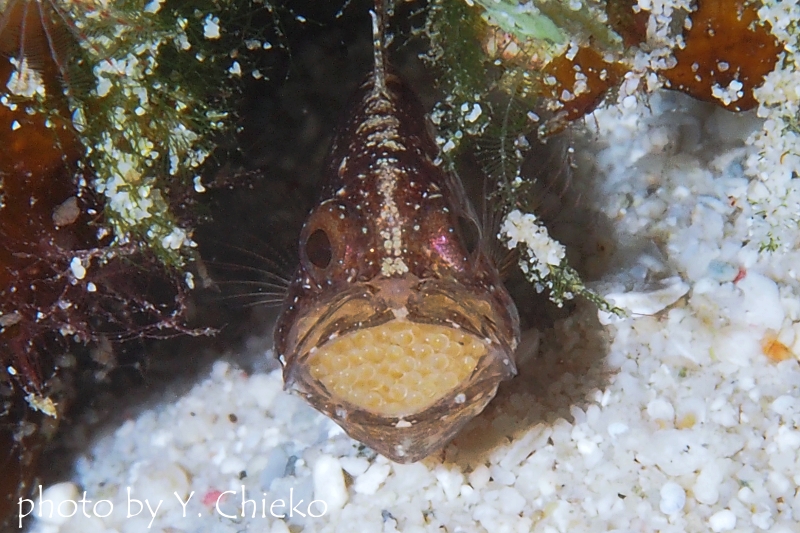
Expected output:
(393, 326)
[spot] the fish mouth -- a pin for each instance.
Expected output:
(402, 364)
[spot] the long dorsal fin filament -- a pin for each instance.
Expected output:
(379, 73)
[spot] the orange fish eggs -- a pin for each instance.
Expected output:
(397, 368)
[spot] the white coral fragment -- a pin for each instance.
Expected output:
(647, 303)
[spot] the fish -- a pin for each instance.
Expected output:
(396, 323)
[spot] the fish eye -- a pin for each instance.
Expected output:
(468, 232)
(318, 249)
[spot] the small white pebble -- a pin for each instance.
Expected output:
(59, 494)
(586, 447)
(355, 466)
(784, 405)
(723, 520)
(329, 482)
(547, 484)
(617, 428)
(787, 439)
(673, 498)
(450, 481)
(706, 488)
(370, 481)
(661, 409)
(279, 526)
(511, 501)
(232, 465)
(762, 301)
(163, 481)
(502, 476)
(762, 520)
(479, 477)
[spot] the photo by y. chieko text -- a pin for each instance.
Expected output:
(60, 506)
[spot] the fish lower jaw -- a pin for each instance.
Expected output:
(403, 388)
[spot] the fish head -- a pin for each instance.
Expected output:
(396, 324)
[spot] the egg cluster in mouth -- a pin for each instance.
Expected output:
(397, 368)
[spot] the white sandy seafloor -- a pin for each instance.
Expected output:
(672, 420)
